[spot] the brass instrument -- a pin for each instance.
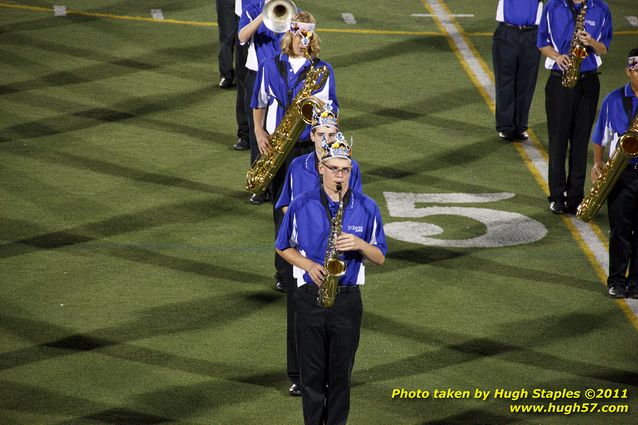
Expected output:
(297, 116)
(335, 266)
(627, 148)
(278, 14)
(577, 51)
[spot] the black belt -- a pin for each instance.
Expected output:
(520, 27)
(581, 76)
(341, 289)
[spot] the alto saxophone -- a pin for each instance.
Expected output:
(627, 148)
(335, 266)
(297, 116)
(577, 51)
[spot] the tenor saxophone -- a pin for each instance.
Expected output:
(577, 51)
(297, 116)
(627, 148)
(335, 266)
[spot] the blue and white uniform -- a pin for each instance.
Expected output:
(622, 203)
(570, 111)
(275, 93)
(557, 27)
(613, 120)
(303, 175)
(264, 43)
(306, 227)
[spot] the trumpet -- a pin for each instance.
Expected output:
(278, 14)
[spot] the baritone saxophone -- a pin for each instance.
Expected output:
(335, 266)
(627, 149)
(297, 116)
(577, 51)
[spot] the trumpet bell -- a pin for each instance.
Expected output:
(278, 14)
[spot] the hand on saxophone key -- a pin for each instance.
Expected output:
(563, 62)
(263, 141)
(317, 273)
(585, 38)
(596, 172)
(347, 242)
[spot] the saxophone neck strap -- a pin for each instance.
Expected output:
(627, 105)
(281, 66)
(326, 203)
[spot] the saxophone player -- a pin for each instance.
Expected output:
(571, 111)
(327, 339)
(619, 109)
(303, 175)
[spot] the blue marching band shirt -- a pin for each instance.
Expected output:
(303, 176)
(557, 27)
(613, 120)
(271, 91)
(519, 12)
(306, 227)
(264, 43)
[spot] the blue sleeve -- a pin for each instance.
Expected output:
(543, 31)
(286, 191)
(244, 20)
(355, 179)
(601, 123)
(285, 230)
(606, 33)
(378, 235)
(254, 102)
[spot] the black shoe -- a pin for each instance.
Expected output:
(617, 291)
(506, 136)
(226, 83)
(295, 390)
(520, 137)
(279, 286)
(256, 199)
(241, 145)
(632, 292)
(557, 207)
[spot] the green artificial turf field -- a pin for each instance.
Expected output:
(137, 279)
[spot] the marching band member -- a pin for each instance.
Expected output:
(328, 337)
(303, 175)
(571, 111)
(515, 59)
(618, 110)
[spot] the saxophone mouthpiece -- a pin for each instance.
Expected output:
(339, 187)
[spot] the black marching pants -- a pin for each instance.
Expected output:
(622, 206)
(570, 116)
(515, 60)
(328, 341)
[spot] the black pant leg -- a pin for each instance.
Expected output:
(504, 59)
(622, 206)
(526, 75)
(310, 322)
(292, 349)
(241, 111)
(227, 23)
(249, 83)
(343, 330)
(559, 109)
(586, 95)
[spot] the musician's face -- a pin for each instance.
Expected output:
(335, 170)
(319, 133)
(298, 48)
